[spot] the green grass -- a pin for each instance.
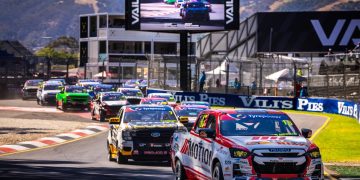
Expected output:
(346, 171)
(339, 141)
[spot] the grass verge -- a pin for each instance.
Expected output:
(339, 141)
(346, 171)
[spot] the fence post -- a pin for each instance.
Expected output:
(327, 80)
(344, 80)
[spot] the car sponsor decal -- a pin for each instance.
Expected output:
(197, 152)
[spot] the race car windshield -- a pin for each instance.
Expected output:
(154, 101)
(51, 87)
(131, 93)
(113, 97)
(75, 89)
(196, 5)
(103, 89)
(150, 116)
(257, 125)
(196, 103)
(189, 112)
(167, 97)
(33, 83)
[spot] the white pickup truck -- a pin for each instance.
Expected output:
(245, 144)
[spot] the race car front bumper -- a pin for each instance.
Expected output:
(311, 169)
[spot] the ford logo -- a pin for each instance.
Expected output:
(155, 134)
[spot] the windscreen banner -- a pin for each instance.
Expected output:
(182, 15)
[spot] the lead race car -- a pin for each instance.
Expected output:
(142, 133)
(245, 144)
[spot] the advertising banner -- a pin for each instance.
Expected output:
(264, 102)
(332, 106)
(308, 31)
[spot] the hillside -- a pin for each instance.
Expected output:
(29, 20)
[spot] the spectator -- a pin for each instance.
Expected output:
(218, 84)
(237, 85)
(202, 81)
(303, 91)
(253, 87)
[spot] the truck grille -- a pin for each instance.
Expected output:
(79, 99)
(144, 136)
(31, 90)
(280, 154)
(279, 168)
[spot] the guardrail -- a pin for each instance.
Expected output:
(326, 105)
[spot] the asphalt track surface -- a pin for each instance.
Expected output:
(87, 159)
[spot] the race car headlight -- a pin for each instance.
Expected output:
(238, 153)
(126, 135)
(314, 154)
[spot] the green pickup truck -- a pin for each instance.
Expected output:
(72, 97)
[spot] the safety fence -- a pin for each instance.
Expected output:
(325, 105)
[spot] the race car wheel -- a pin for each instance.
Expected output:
(93, 115)
(42, 103)
(179, 171)
(38, 101)
(217, 173)
(120, 159)
(110, 153)
(63, 107)
(102, 116)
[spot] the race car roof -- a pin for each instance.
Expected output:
(150, 107)
(247, 111)
(184, 107)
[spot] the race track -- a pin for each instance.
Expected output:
(87, 159)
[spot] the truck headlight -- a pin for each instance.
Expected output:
(314, 154)
(126, 135)
(238, 153)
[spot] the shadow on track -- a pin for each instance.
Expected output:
(37, 169)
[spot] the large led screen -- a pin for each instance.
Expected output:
(182, 15)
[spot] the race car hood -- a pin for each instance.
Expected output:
(77, 94)
(148, 125)
(51, 91)
(115, 103)
(31, 87)
(261, 142)
(192, 119)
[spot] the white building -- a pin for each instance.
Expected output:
(127, 53)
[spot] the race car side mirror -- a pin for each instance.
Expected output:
(307, 133)
(184, 119)
(206, 133)
(115, 120)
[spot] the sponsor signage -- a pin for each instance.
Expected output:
(195, 16)
(308, 31)
(265, 102)
(333, 106)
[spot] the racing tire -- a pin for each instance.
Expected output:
(63, 107)
(120, 159)
(102, 116)
(179, 171)
(42, 103)
(93, 115)
(217, 173)
(109, 153)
